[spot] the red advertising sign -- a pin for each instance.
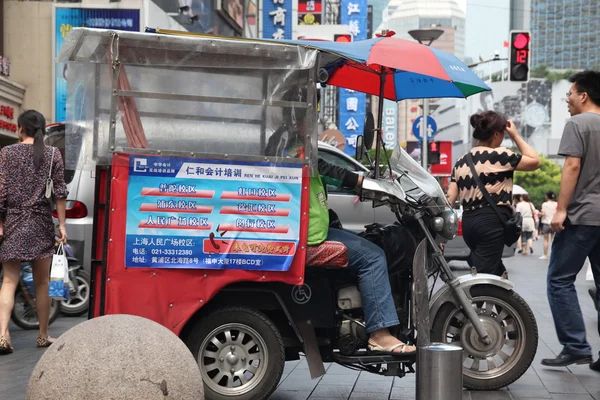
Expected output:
(310, 6)
(444, 168)
(9, 113)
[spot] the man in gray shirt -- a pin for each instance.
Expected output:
(577, 219)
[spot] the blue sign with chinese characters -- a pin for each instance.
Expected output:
(191, 213)
(69, 18)
(352, 104)
(431, 128)
(277, 19)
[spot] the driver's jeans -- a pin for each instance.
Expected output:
(368, 262)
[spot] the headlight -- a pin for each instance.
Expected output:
(450, 224)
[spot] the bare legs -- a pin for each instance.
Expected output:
(11, 274)
(41, 278)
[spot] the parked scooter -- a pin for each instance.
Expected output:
(79, 287)
(24, 313)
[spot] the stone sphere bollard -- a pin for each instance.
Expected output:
(117, 357)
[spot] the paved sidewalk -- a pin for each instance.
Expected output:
(539, 382)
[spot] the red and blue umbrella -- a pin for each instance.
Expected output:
(409, 70)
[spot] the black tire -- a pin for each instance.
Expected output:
(78, 306)
(28, 320)
(267, 340)
(525, 338)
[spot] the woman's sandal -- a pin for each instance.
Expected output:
(375, 348)
(5, 347)
(44, 342)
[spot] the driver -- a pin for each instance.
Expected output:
(365, 259)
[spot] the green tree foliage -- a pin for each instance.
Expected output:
(537, 183)
(551, 76)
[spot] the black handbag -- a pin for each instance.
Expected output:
(514, 225)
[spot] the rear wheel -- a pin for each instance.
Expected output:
(240, 354)
(25, 316)
(510, 325)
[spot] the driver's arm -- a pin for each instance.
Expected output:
(338, 176)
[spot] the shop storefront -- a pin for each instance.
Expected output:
(11, 99)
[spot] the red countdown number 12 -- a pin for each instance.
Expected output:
(522, 56)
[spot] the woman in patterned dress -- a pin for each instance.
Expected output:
(26, 225)
(483, 230)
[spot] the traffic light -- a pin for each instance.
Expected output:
(519, 56)
(342, 38)
(433, 153)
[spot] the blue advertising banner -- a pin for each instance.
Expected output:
(277, 19)
(191, 213)
(352, 105)
(390, 124)
(69, 18)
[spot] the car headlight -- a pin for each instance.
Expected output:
(446, 224)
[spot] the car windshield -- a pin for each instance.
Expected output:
(56, 137)
(414, 179)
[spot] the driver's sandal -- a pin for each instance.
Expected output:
(377, 349)
(5, 346)
(44, 342)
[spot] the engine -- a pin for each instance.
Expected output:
(352, 333)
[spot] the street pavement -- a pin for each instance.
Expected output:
(539, 382)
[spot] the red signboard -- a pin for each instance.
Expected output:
(9, 113)
(444, 168)
(310, 6)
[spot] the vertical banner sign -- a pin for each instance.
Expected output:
(69, 18)
(191, 213)
(390, 124)
(277, 19)
(352, 104)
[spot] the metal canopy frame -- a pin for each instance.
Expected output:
(117, 62)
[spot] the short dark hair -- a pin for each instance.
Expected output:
(588, 81)
(487, 123)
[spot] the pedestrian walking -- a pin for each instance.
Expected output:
(576, 220)
(483, 228)
(517, 200)
(528, 213)
(26, 226)
(548, 211)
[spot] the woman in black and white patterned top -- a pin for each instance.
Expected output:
(483, 230)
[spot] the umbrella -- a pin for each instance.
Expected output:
(388, 67)
(518, 190)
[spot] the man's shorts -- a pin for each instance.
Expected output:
(526, 236)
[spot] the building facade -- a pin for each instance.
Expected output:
(565, 34)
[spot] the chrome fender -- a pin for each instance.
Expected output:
(445, 295)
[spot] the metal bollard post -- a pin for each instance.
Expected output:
(439, 372)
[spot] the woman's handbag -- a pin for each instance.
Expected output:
(59, 275)
(49, 185)
(514, 225)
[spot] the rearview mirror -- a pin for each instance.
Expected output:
(369, 131)
(360, 148)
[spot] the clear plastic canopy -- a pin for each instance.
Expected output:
(209, 96)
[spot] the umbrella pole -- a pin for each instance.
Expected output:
(379, 123)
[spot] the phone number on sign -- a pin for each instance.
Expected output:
(170, 252)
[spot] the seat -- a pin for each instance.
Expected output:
(328, 254)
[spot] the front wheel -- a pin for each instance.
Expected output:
(79, 299)
(240, 354)
(511, 327)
